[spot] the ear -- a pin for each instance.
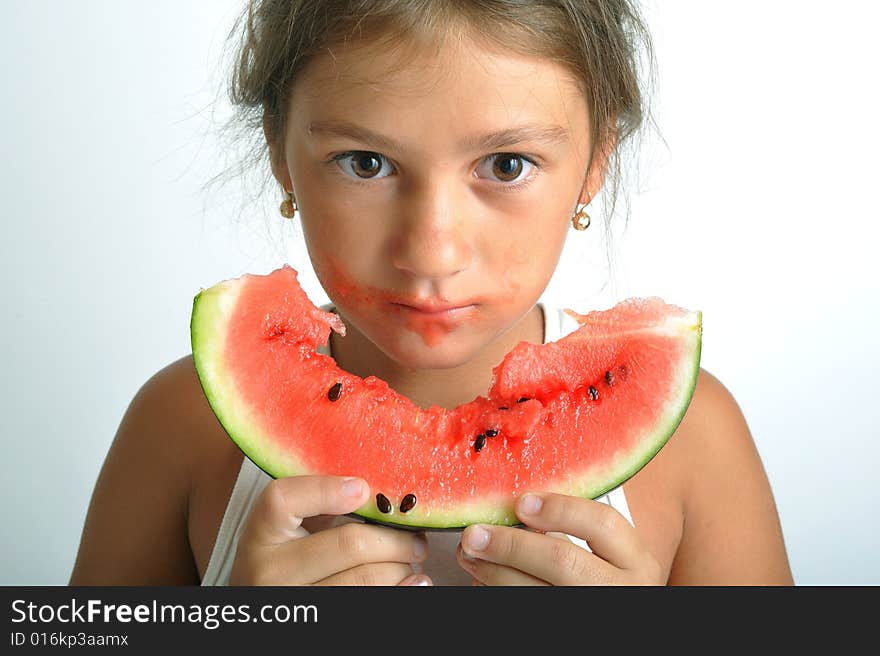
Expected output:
(276, 157)
(598, 168)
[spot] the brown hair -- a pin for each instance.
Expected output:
(604, 43)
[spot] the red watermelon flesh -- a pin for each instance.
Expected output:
(577, 416)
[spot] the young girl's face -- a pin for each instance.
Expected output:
(449, 181)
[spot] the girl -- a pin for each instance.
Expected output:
(421, 145)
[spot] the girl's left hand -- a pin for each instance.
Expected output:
(504, 555)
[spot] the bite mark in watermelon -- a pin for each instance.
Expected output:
(577, 416)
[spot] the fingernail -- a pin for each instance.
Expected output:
(417, 580)
(475, 538)
(353, 487)
(531, 504)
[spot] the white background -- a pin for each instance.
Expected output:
(761, 212)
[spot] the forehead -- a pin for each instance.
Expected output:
(448, 93)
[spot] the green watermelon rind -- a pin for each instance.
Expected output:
(667, 425)
(212, 309)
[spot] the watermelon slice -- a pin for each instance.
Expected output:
(578, 416)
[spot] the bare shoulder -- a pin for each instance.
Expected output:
(731, 532)
(178, 394)
(136, 529)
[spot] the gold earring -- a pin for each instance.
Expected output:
(581, 220)
(288, 206)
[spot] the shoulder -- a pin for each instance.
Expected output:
(173, 402)
(165, 421)
(731, 531)
(170, 413)
(714, 418)
(136, 528)
(174, 392)
(714, 432)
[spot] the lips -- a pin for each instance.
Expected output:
(432, 307)
(436, 309)
(433, 319)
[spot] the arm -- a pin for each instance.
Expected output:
(135, 532)
(731, 534)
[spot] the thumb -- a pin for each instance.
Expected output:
(284, 503)
(416, 580)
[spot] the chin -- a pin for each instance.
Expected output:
(422, 356)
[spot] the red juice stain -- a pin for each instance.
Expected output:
(432, 330)
(332, 277)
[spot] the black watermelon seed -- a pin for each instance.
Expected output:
(383, 503)
(594, 393)
(523, 399)
(409, 501)
(504, 407)
(622, 370)
(480, 442)
(335, 392)
(492, 432)
(609, 378)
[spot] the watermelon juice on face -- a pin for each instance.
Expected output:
(431, 320)
(428, 349)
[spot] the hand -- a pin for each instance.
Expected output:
(275, 549)
(504, 555)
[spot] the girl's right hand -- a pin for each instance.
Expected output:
(274, 548)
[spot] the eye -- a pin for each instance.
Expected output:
(509, 167)
(363, 164)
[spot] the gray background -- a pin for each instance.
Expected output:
(761, 212)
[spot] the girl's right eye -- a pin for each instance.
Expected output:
(362, 164)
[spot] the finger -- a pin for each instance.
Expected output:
(279, 510)
(609, 534)
(344, 547)
(371, 574)
(547, 558)
(416, 580)
(485, 572)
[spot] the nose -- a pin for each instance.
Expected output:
(433, 240)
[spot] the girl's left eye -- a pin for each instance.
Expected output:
(509, 168)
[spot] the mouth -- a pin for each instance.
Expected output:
(436, 310)
(433, 322)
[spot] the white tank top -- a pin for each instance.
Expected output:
(440, 565)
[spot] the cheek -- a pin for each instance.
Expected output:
(512, 255)
(332, 222)
(341, 287)
(346, 291)
(527, 261)
(338, 248)
(333, 238)
(512, 270)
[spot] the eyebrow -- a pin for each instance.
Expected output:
(546, 134)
